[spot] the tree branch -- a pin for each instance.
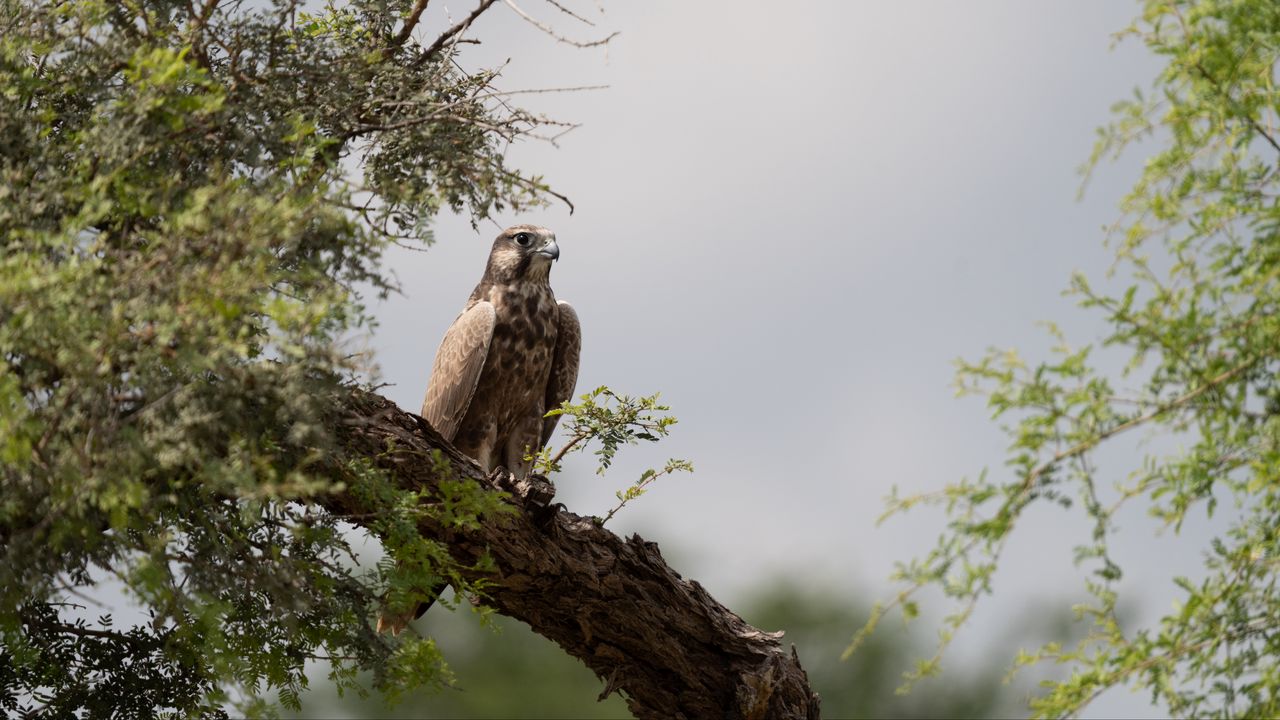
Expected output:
(465, 23)
(409, 24)
(570, 13)
(1227, 96)
(551, 31)
(661, 640)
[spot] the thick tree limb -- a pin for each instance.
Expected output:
(661, 640)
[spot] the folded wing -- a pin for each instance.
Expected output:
(457, 369)
(564, 367)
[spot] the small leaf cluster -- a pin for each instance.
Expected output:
(611, 421)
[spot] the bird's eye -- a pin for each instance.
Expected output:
(523, 239)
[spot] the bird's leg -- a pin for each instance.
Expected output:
(534, 492)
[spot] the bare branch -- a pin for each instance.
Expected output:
(452, 32)
(443, 110)
(551, 31)
(569, 12)
(531, 185)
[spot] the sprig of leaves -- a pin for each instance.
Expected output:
(612, 421)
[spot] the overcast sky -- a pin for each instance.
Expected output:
(791, 219)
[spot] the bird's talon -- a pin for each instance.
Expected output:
(536, 491)
(502, 479)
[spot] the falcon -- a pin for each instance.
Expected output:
(509, 357)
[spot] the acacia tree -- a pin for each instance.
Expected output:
(1198, 319)
(180, 233)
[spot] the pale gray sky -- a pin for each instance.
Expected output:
(791, 218)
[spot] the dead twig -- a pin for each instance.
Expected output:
(569, 12)
(551, 31)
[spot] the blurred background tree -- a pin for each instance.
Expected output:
(507, 671)
(1190, 358)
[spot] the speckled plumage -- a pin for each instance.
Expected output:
(511, 355)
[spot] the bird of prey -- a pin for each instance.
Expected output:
(509, 357)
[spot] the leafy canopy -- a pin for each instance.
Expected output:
(179, 240)
(1199, 321)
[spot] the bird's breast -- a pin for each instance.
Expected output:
(515, 373)
(525, 317)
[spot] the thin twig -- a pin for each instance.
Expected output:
(640, 485)
(529, 184)
(551, 31)
(569, 12)
(1247, 117)
(577, 440)
(1084, 445)
(440, 111)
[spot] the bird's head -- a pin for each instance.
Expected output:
(522, 252)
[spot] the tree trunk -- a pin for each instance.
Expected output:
(661, 640)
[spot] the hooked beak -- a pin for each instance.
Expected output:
(550, 250)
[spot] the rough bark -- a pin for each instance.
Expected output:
(659, 639)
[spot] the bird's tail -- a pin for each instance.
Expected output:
(395, 623)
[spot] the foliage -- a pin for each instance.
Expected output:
(1198, 322)
(179, 239)
(613, 420)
